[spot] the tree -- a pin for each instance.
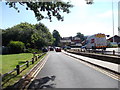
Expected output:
(44, 35)
(57, 37)
(81, 36)
(21, 32)
(52, 8)
(89, 1)
(33, 36)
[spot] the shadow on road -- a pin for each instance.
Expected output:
(45, 82)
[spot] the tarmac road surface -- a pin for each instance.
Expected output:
(62, 71)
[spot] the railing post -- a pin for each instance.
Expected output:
(18, 69)
(32, 60)
(102, 51)
(113, 52)
(27, 64)
(84, 50)
(36, 58)
(89, 51)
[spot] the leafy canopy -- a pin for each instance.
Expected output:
(53, 8)
(57, 37)
(33, 36)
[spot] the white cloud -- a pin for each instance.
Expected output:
(108, 14)
(86, 29)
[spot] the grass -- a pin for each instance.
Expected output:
(10, 61)
(13, 80)
(0, 63)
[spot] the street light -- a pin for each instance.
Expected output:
(113, 20)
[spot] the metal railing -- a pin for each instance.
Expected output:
(113, 52)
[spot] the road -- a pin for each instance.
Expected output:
(62, 71)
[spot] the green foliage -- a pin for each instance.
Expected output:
(16, 46)
(30, 50)
(21, 32)
(118, 45)
(16, 59)
(33, 36)
(52, 9)
(81, 36)
(5, 50)
(57, 38)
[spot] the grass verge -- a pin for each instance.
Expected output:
(15, 79)
(10, 61)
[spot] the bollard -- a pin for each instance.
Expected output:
(84, 50)
(18, 69)
(102, 51)
(89, 51)
(113, 52)
(27, 64)
(32, 60)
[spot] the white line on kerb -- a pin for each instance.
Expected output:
(98, 69)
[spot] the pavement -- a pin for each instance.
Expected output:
(111, 66)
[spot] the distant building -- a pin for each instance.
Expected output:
(68, 41)
(116, 39)
(65, 41)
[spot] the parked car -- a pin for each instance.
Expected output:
(58, 49)
(83, 47)
(45, 50)
(51, 49)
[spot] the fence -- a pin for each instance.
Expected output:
(113, 52)
(19, 68)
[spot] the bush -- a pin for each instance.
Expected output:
(16, 46)
(119, 44)
(5, 50)
(30, 50)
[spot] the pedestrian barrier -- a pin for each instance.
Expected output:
(19, 68)
(103, 57)
(114, 53)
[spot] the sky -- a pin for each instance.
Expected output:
(86, 19)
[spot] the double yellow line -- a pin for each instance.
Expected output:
(39, 67)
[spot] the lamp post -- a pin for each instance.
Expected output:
(113, 20)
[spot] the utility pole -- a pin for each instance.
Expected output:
(113, 20)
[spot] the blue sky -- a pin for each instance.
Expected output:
(87, 19)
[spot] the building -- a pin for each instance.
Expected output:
(70, 41)
(116, 39)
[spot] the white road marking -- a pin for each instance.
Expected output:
(106, 72)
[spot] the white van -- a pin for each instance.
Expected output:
(96, 41)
